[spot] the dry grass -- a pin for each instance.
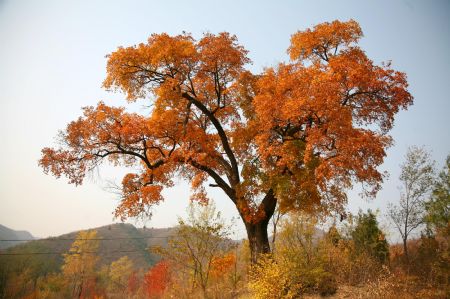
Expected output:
(387, 288)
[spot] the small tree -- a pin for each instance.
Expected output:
(438, 221)
(275, 220)
(299, 238)
(333, 236)
(438, 207)
(79, 263)
(157, 279)
(368, 238)
(119, 274)
(417, 177)
(298, 265)
(199, 241)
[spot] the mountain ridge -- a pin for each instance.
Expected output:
(7, 233)
(45, 255)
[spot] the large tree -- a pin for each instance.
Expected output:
(297, 135)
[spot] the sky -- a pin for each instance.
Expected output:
(52, 63)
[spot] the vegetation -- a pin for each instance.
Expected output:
(438, 220)
(78, 270)
(352, 259)
(9, 234)
(200, 248)
(417, 177)
(113, 239)
(437, 209)
(284, 145)
(369, 239)
(297, 135)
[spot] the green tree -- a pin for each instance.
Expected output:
(438, 221)
(51, 286)
(417, 177)
(368, 238)
(438, 207)
(20, 285)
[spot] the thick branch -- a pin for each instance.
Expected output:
(219, 181)
(222, 135)
(269, 204)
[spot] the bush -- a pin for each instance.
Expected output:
(269, 280)
(327, 285)
(298, 267)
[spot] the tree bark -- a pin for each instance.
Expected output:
(258, 240)
(405, 249)
(257, 231)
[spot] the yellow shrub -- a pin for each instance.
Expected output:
(269, 280)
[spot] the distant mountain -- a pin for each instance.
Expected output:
(10, 234)
(116, 240)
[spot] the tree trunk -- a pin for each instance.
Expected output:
(257, 231)
(405, 249)
(258, 239)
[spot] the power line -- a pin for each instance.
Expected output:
(65, 252)
(73, 239)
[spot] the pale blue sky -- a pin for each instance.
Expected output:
(52, 62)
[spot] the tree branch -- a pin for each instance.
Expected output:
(219, 181)
(222, 135)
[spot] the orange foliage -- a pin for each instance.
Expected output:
(297, 135)
(313, 112)
(324, 40)
(133, 283)
(156, 280)
(220, 265)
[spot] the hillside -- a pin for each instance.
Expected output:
(157, 236)
(115, 240)
(10, 234)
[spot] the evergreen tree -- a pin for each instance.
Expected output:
(368, 238)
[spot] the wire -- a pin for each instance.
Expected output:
(73, 239)
(86, 252)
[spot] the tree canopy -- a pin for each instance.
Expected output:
(298, 134)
